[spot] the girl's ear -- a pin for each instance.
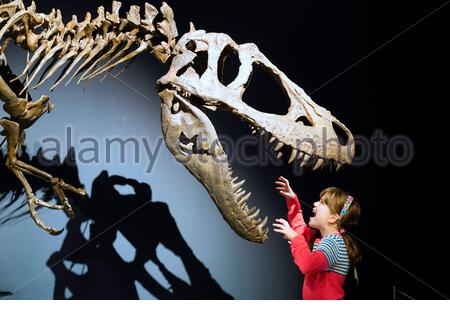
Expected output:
(333, 218)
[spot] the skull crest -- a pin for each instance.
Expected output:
(307, 131)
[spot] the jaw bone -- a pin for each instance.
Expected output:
(192, 139)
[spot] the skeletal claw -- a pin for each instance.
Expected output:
(55, 232)
(32, 202)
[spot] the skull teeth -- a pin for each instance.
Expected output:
(241, 197)
(305, 158)
(187, 146)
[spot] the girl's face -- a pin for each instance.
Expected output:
(321, 215)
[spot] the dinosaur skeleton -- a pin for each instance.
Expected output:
(192, 85)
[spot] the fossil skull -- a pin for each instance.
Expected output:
(307, 131)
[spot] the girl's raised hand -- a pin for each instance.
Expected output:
(284, 188)
(285, 229)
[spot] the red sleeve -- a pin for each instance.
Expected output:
(295, 218)
(307, 261)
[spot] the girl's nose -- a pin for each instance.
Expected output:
(316, 203)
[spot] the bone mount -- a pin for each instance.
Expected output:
(304, 157)
(88, 39)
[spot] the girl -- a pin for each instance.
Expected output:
(333, 251)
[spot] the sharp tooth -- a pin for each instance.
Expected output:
(318, 164)
(261, 132)
(305, 160)
(279, 146)
(187, 146)
(253, 131)
(272, 139)
(237, 185)
(338, 167)
(293, 155)
(213, 108)
(234, 179)
(263, 223)
(244, 198)
(176, 107)
(239, 194)
(300, 155)
(253, 213)
(279, 155)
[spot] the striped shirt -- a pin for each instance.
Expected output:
(335, 250)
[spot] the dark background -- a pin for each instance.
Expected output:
(398, 89)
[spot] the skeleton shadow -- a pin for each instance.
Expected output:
(88, 266)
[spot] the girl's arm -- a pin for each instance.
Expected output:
(307, 261)
(295, 218)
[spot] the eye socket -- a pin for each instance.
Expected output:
(228, 65)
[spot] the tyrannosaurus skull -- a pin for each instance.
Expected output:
(307, 131)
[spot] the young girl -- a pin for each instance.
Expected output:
(333, 251)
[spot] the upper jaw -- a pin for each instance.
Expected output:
(288, 138)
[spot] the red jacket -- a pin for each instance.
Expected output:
(319, 283)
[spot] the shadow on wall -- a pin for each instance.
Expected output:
(145, 224)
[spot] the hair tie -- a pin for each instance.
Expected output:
(347, 204)
(342, 231)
